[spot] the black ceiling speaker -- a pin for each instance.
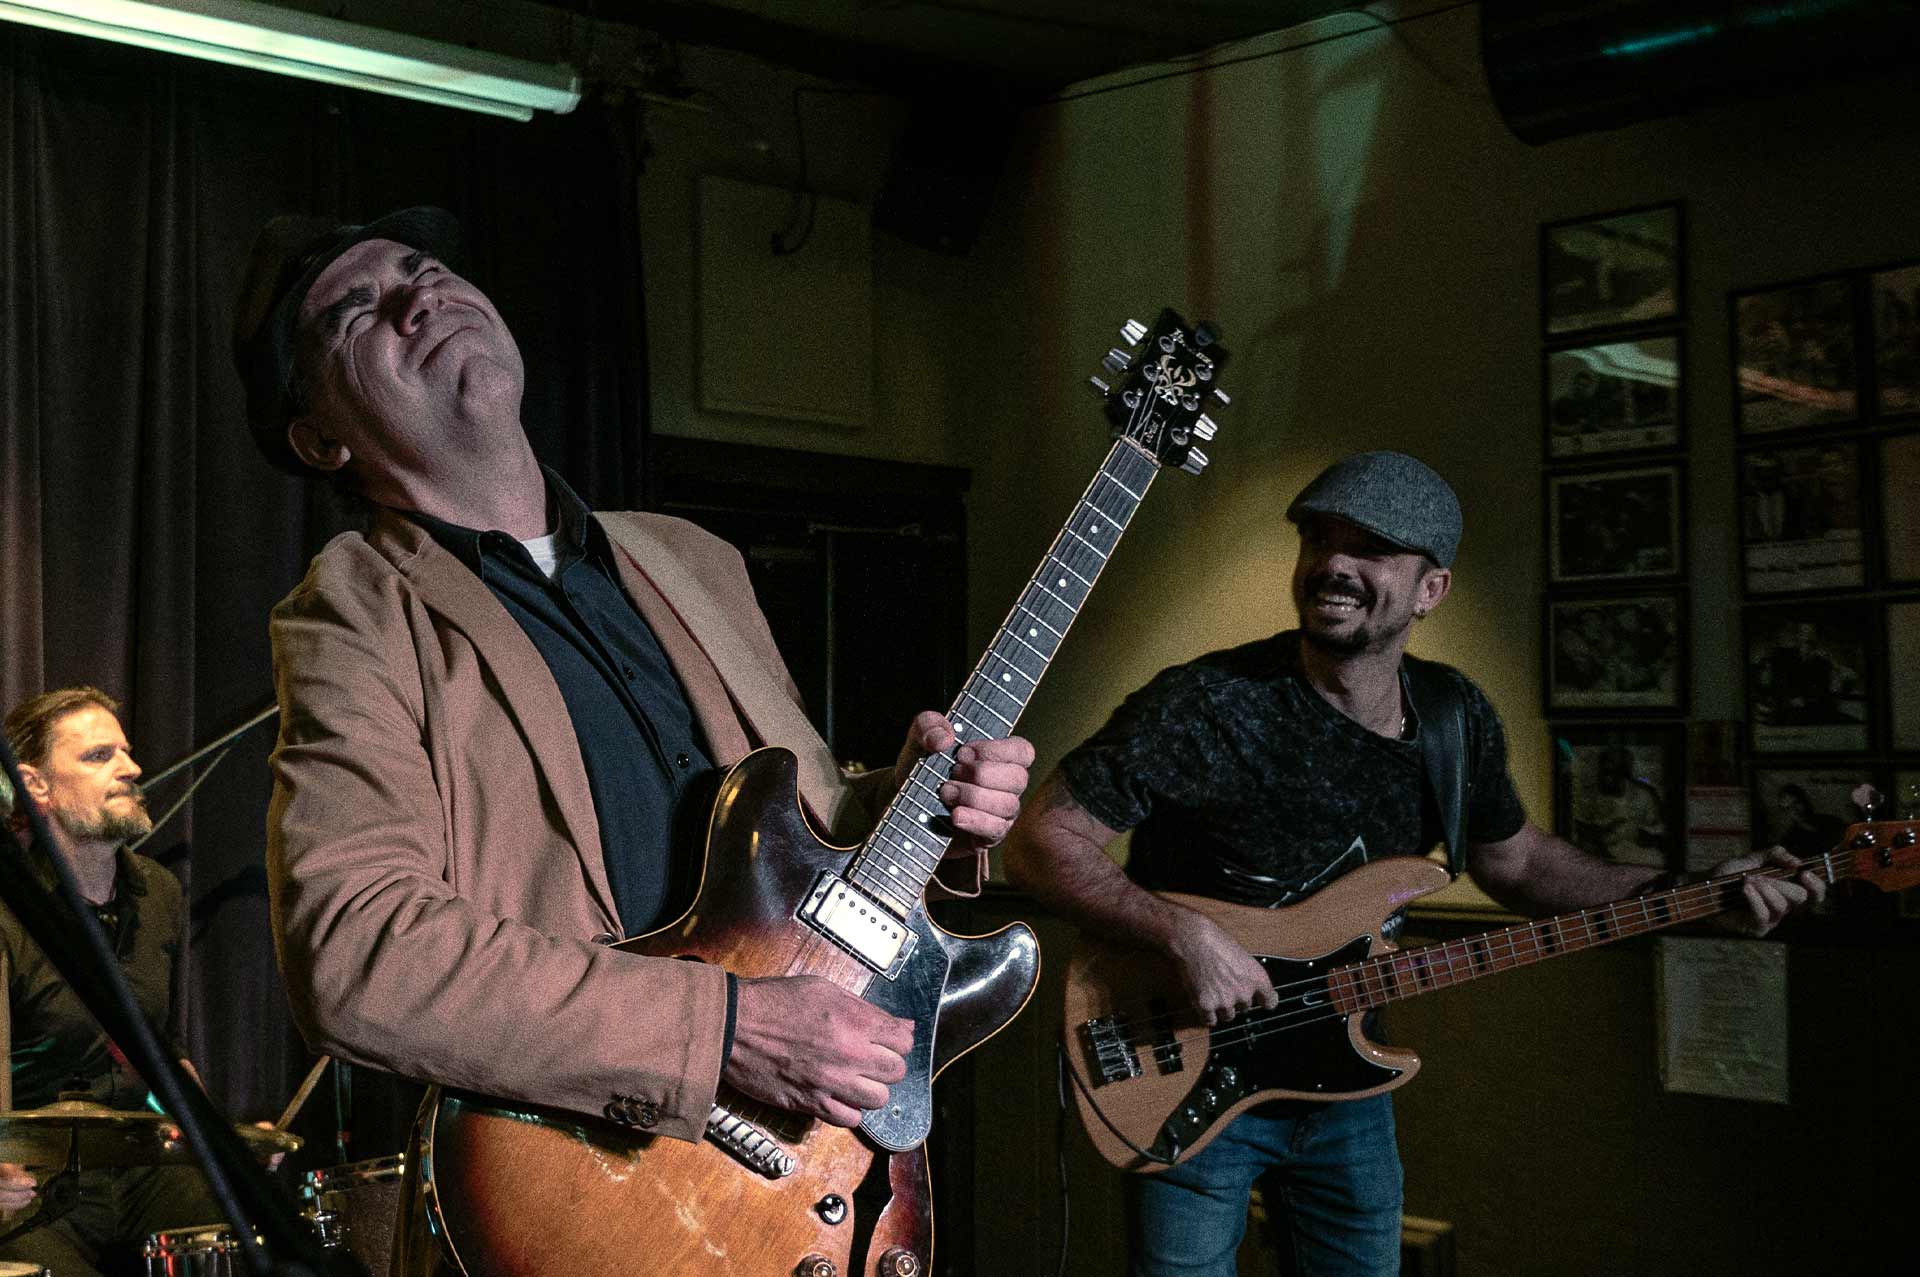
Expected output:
(1561, 67)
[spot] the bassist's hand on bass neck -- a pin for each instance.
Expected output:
(1765, 901)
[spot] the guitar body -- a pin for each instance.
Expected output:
(510, 1187)
(1157, 1081)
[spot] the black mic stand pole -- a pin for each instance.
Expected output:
(75, 943)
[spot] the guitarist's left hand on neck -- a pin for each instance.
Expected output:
(1765, 902)
(982, 793)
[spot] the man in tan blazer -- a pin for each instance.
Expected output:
(443, 898)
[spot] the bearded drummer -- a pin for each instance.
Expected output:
(79, 772)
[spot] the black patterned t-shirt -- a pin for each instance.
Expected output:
(1242, 783)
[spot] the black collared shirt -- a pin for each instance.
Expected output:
(639, 741)
(57, 1044)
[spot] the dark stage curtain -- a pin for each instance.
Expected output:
(144, 539)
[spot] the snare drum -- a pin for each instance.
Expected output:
(211, 1250)
(358, 1206)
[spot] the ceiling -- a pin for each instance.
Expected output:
(1017, 49)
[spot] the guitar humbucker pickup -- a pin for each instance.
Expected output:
(858, 923)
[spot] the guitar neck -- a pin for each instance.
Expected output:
(1406, 973)
(904, 850)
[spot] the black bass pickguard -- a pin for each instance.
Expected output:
(1290, 1049)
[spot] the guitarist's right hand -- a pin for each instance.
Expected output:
(1221, 978)
(806, 1044)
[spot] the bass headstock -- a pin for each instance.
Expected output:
(1885, 853)
(1168, 376)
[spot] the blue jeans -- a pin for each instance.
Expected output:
(1333, 1189)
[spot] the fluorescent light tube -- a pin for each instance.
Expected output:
(249, 34)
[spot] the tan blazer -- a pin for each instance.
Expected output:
(440, 900)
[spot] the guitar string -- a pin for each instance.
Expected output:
(1576, 930)
(1072, 559)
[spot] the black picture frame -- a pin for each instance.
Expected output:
(1810, 677)
(1618, 397)
(1803, 517)
(1616, 526)
(1616, 655)
(1804, 806)
(1612, 270)
(1899, 472)
(1893, 307)
(1796, 355)
(1619, 790)
(1901, 634)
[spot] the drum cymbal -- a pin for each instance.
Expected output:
(44, 1137)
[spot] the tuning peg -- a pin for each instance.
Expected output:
(1205, 334)
(1132, 331)
(1203, 426)
(1222, 396)
(1100, 387)
(1196, 461)
(1117, 360)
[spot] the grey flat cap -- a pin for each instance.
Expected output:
(1392, 496)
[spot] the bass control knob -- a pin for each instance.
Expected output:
(899, 1262)
(816, 1266)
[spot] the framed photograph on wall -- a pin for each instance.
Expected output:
(1616, 525)
(1618, 654)
(1613, 397)
(1893, 299)
(1809, 678)
(1618, 268)
(1805, 809)
(1800, 518)
(1794, 356)
(1618, 792)
(1903, 675)
(1900, 506)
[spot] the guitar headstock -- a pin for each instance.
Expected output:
(1169, 377)
(1885, 853)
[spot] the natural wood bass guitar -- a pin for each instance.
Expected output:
(515, 1192)
(1154, 1085)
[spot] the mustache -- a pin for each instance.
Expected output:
(1319, 581)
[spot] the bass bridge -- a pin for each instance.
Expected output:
(858, 923)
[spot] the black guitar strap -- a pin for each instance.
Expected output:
(1442, 711)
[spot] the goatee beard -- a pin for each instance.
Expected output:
(110, 826)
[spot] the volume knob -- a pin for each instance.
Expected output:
(899, 1262)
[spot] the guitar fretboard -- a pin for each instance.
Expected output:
(904, 850)
(1406, 973)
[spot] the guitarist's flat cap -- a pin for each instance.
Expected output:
(1391, 495)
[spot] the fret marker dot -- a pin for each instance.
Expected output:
(1032, 633)
(1063, 582)
(1096, 529)
(1006, 678)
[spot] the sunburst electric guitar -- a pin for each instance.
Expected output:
(1154, 1085)
(515, 1192)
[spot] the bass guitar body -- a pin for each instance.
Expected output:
(1154, 1084)
(516, 1191)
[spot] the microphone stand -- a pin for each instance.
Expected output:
(277, 1242)
(221, 743)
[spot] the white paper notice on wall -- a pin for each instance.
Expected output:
(1723, 1017)
(787, 334)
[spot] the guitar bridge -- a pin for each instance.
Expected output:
(749, 1144)
(858, 923)
(1114, 1059)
